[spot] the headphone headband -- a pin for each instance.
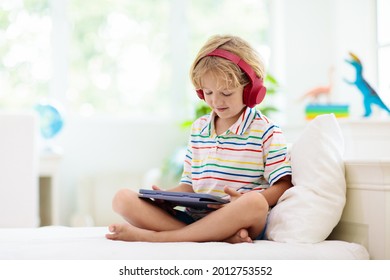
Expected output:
(255, 91)
(236, 60)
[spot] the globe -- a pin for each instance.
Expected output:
(51, 120)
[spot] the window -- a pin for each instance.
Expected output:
(123, 57)
(383, 10)
(25, 52)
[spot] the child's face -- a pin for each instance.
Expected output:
(227, 103)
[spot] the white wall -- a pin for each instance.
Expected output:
(312, 36)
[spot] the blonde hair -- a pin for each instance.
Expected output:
(226, 71)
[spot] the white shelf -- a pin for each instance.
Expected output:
(49, 192)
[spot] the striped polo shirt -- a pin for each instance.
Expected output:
(250, 155)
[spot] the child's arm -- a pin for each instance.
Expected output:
(273, 193)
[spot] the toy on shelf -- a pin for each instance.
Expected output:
(370, 96)
(315, 93)
(51, 122)
(339, 110)
(317, 107)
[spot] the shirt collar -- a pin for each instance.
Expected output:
(238, 128)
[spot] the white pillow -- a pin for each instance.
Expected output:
(309, 211)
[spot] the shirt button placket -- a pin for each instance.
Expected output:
(216, 144)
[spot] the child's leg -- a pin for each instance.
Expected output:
(147, 216)
(247, 212)
(143, 214)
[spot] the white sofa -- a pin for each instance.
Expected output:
(19, 194)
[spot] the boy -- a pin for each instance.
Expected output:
(235, 152)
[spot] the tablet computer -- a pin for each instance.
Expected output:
(186, 199)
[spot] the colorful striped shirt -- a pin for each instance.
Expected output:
(250, 155)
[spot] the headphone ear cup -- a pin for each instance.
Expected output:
(246, 95)
(200, 94)
(254, 93)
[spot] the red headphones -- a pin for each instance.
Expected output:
(254, 92)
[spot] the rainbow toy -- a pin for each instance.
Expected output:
(339, 110)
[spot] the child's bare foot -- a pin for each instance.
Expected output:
(127, 232)
(241, 236)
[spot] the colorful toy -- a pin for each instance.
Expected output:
(339, 110)
(324, 90)
(319, 107)
(370, 96)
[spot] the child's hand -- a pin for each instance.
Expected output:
(158, 201)
(231, 195)
(162, 203)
